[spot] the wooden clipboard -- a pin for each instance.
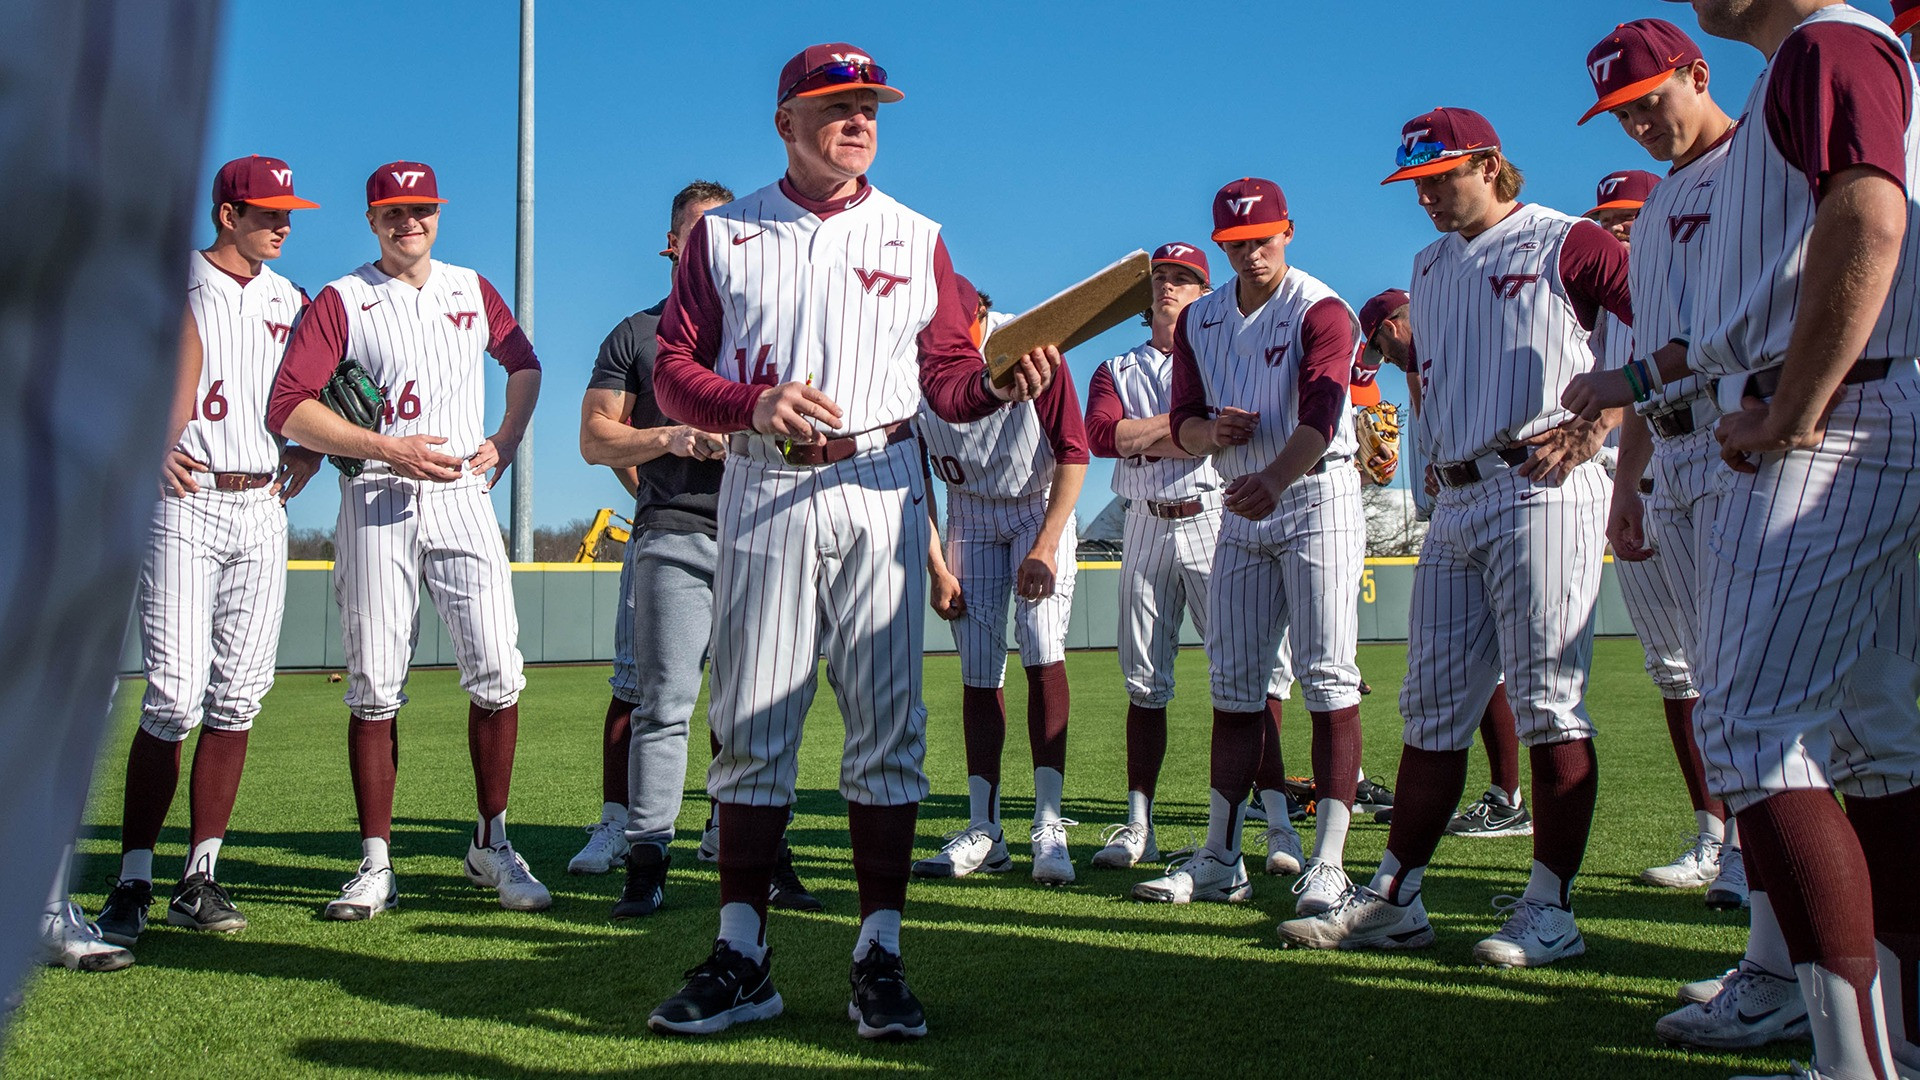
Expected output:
(1077, 314)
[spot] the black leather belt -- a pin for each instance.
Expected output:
(1174, 511)
(1462, 473)
(1672, 423)
(1646, 485)
(1764, 384)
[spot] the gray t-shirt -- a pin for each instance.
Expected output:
(676, 494)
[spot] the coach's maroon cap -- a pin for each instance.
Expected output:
(1434, 142)
(819, 70)
(1249, 209)
(1624, 190)
(1375, 311)
(1637, 57)
(400, 183)
(1178, 254)
(1905, 14)
(258, 181)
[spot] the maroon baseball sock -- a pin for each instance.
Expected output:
(616, 738)
(1271, 773)
(1048, 703)
(153, 774)
(1499, 732)
(1566, 780)
(1234, 759)
(749, 851)
(1425, 792)
(1886, 827)
(882, 853)
(218, 758)
(1336, 754)
(373, 756)
(491, 737)
(1687, 752)
(983, 726)
(1146, 748)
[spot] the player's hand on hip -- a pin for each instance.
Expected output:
(1559, 451)
(1431, 481)
(1031, 376)
(1234, 427)
(1755, 429)
(297, 466)
(1626, 526)
(1034, 581)
(691, 442)
(1252, 496)
(1589, 395)
(945, 597)
(414, 457)
(494, 452)
(176, 474)
(788, 410)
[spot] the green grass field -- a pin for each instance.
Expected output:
(1017, 979)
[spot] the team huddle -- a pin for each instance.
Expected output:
(1712, 373)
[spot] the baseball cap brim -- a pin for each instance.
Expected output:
(1616, 204)
(1364, 394)
(406, 200)
(888, 95)
(1184, 264)
(283, 202)
(1904, 21)
(1630, 92)
(1257, 231)
(1436, 166)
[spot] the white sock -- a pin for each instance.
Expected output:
(1047, 797)
(1275, 804)
(1710, 825)
(1362, 777)
(491, 832)
(1392, 876)
(1139, 808)
(1223, 825)
(881, 928)
(742, 930)
(1766, 945)
(1331, 818)
(1731, 837)
(1545, 886)
(1511, 798)
(613, 813)
(203, 857)
(1841, 1046)
(373, 851)
(57, 893)
(136, 865)
(983, 801)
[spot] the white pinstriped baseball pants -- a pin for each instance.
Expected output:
(1290, 578)
(820, 559)
(1507, 581)
(1810, 623)
(1678, 512)
(394, 534)
(987, 539)
(213, 591)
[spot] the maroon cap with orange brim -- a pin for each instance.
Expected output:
(1905, 14)
(1436, 142)
(1249, 209)
(258, 181)
(1634, 60)
(1179, 254)
(1624, 190)
(819, 70)
(403, 183)
(1375, 311)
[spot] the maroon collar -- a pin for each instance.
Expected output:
(824, 210)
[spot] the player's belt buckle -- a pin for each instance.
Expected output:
(834, 451)
(1175, 511)
(1672, 423)
(240, 481)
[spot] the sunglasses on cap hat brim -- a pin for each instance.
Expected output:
(1429, 159)
(841, 76)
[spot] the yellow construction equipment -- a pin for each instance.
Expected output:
(603, 529)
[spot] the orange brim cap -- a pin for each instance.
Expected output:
(406, 200)
(1616, 204)
(1257, 231)
(1629, 92)
(283, 202)
(1435, 167)
(1364, 394)
(888, 95)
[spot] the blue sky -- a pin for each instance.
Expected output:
(1048, 139)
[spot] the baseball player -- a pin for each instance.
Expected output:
(806, 323)
(1012, 480)
(1502, 307)
(666, 589)
(419, 513)
(1260, 375)
(213, 586)
(1808, 620)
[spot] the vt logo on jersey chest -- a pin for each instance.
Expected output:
(462, 320)
(1508, 286)
(1276, 353)
(879, 282)
(278, 331)
(1683, 227)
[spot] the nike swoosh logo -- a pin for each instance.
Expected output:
(1429, 266)
(375, 304)
(1675, 58)
(1471, 146)
(920, 498)
(1754, 1018)
(1553, 943)
(738, 240)
(1216, 322)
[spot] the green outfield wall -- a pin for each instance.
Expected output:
(567, 610)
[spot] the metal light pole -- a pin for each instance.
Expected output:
(520, 519)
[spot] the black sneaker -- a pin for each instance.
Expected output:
(1491, 816)
(882, 1005)
(1372, 798)
(726, 989)
(199, 903)
(646, 887)
(788, 891)
(125, 913)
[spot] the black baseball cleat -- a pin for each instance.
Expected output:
(726, 989)
(882, 1005)
(199, 903)
(787, 890)
(125, 913)
(1372, 798)
(646, 887)
(1491, 816)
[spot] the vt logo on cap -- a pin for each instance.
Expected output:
(1249, 209)
(1435, 142)
(1186, 255)
(403, 183)
(1634, 60)
(1624, 190)
(819, 70)
(258, 181)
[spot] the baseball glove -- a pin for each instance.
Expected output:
(353, 394)
(1378, 429)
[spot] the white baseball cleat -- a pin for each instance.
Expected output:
(979, 846)
(502, 869)
(1319, 888)
(1204, 875)
(370, 892)
(1695, 867)
(1284, 853)
(68, 940)
(1728, 891)
(1753, 1008)
(1362, 919)
(1703, 990)
(1052, 863)
(606, 847)
(1127, 846)
(1535, 934)
(709, 849)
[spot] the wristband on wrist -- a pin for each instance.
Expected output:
(1635, 372)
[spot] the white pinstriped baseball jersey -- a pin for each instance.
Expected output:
(243, 333)
(1669, 241)
(1010, 453)
(772, 260)
(1142, 379)
(1762, 211)
(1252, 362)
(1497, 334)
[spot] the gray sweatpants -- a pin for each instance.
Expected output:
(671, 577)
